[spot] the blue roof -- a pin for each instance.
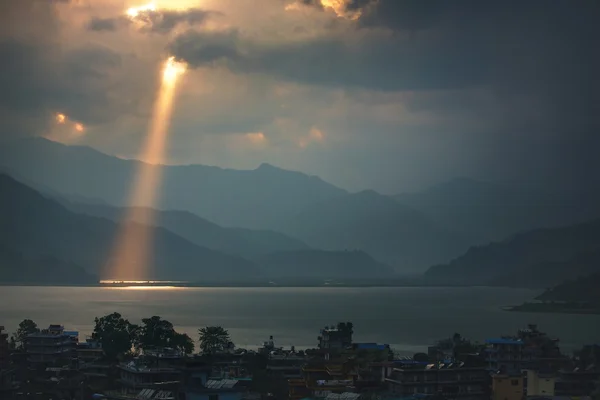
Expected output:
(503, 341)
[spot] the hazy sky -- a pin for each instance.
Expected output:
(388, 94)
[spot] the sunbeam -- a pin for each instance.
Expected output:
(130, 259)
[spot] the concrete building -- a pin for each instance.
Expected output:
(4, 349)
(449, 380)
(336, 338)
(508, 387)
(577, 381)
(51, 346)
(539, 384)
(504, 354)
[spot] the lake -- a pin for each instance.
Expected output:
(409, 319)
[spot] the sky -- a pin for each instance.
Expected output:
(391, 95)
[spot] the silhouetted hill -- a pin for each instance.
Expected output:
(258, 198)
(323, 265)
(237, 241)
(538, 258)
(490, 211)
(16, 269)
(582, 289)
(395, 234)
(38, 228)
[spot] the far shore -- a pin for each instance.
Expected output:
(326, 284)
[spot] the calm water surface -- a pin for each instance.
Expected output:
(409, 319)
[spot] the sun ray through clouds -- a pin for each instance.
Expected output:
(131, 256)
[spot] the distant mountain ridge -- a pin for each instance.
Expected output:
(257, 198)
(41, 241)
(393, 233)
(38, 228)
(487, 211)
(536, 258)
(235, 241)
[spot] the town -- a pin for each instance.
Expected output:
(121, 360)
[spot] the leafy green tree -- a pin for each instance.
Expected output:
(183, 343)
(116, 334)
(155, 333)
(26, 327)
(214, 339)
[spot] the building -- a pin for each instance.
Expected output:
(51, 346)
(539, 383)
(285, 365)
(508, 387)
(336, 338)
(139, 375)
(504, 354)
(89, 351)
(4, 349)
(223, 389)
(577, 381)
(454, 380)
(321, 378)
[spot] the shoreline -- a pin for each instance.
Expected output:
(251, 285)
(552, 308)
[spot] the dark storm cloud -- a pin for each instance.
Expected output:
(544, 51)
(159, 21)
(380, 62)
(39, 79)
(102, 24)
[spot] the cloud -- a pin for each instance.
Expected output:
(41, 78)
(161, 21)
(102, 24)
(376, 60)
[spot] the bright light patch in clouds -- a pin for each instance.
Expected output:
(256, 138)
(134, 12)
(314, 136)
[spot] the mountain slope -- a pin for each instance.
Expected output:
(38, 227)
(489, 211)
(323, 265)
(16, 269)
(251, 199)
(539, 258)
(397, 235)
(237, 241)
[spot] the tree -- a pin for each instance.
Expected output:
(116, 334)
(26, 327)
(213, 339)
(155, 332)
(183, 343)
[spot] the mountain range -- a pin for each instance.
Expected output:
(486, 211)
(257, 198)
(535, 258)
(44, 242)
(250, 221)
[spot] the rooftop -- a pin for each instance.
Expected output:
(504, 341)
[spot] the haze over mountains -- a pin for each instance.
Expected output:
(271, 223)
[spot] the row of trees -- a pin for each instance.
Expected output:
(118, 336)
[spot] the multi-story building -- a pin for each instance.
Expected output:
(539, 383)
(449, 380)
(508, 387)
(285, 365)
(578, 381)
(504, 354)
(4, 349)
(336, 338)
(320, 378)
(89, 351)
(51, 346)
(136, 375)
